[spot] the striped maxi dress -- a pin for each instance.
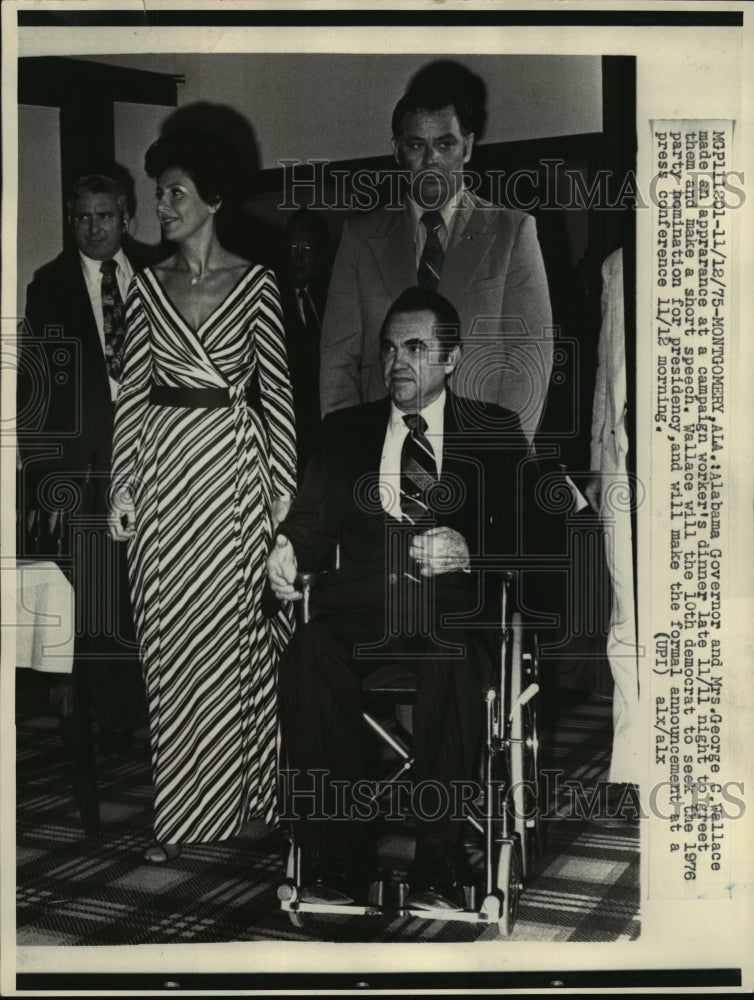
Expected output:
(202, 481)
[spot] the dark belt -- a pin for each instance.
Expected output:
(210, 398)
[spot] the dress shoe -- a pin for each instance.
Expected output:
(337, 874)
(160, 854)
(618, 805)
(256, 829)
(115, 743)
(433, 880)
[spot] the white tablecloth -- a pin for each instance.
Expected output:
(45, 616)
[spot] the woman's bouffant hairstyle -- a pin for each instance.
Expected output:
(209, 160)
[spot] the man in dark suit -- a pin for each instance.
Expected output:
(303, 290)
(70, 360)
(419, 493)
(485, 260)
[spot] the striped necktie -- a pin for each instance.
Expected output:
(418, 471)
(311, 319)
(433, 255)
(113, 316)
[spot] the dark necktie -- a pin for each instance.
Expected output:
(311, 320)
(113, 314)
(433, 255)
(418, 471)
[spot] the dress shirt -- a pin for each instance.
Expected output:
(420, 233)
(93, 279)
(390, 465)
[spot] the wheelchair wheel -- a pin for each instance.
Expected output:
(524, 751)
(509, 885)
(288, 890)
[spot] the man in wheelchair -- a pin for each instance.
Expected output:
(412, 504)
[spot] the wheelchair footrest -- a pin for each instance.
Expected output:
(289, 895)
(465, 916)
(470, 914)
(346, 909)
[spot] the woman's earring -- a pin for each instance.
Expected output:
(125, 224)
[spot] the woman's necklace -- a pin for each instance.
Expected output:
(196, 279)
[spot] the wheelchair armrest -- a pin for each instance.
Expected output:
(304, 579)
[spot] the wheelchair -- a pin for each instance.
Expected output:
(507, 820)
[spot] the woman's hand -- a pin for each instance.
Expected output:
(593, 490)
(280, 508)
(122, 518)
(281, 570)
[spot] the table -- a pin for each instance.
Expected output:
(44, 623)
(45, 641)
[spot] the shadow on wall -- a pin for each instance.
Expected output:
(460, 79)
(135, 248)
(249, 237)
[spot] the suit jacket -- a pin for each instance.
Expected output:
(65, 422)
(493, 274)
(65, 429)
(609, 434)
(303, 347)
(484, 469)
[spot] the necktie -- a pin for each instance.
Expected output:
(418, 471)
(433, 255)
(113, 314)
(311, 320)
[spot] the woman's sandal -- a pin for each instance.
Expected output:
(159, 854)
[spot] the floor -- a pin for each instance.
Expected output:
(74, 890)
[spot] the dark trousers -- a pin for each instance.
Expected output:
(320, 677)
(106, 648)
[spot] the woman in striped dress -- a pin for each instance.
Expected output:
(204, 467)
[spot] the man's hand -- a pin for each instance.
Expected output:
(281, 570)
(592, 491)
(440, 550)
(122, 518)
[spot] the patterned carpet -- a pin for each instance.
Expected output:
(74, 890)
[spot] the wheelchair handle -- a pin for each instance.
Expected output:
(526, 696)
(305, 582)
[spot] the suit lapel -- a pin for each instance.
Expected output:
(470, 241)
(395, 254)
(80, 296)
(93, 355)
(450, 463)
(361, 460)
(95, 400)
(374, 436)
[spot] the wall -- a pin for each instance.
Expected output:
(327, 106)
(339, 106)
(40, 215)
(136, 127)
